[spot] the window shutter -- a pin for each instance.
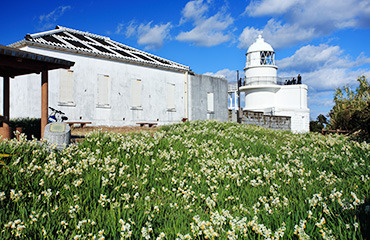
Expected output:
(66, 87)
(136, 93)
(210, 103)
(103, 90)
(171, 96)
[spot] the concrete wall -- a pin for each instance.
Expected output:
(291, 100)
(25, 93)
(286, 100)
(199, 86)
(259, 98)
(25, 99)
(292, 96)
(300, 119)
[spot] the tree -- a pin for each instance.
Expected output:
(319, 124)
(351, 111)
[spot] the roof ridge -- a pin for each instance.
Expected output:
(40, 34)
(96, 44)
(82, 32)
(108, 38)
(150, 54)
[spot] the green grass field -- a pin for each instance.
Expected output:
(198, 180)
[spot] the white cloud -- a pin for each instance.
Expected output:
(48, 21)
(120, 27)
(323, 98)
(194, 10)
(152, 37)
(323, 67)
(309, 58)
(282, 35)
(296, 21)
(320, 103)
(207, 31)
(276, 34)
(248, 36)
(230, 75)
(130, 29)
(269, 7)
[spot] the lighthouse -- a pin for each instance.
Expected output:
(266, 92)
(260, 66)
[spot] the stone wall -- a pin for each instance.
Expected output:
(267, 121)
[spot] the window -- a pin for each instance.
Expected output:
(267, 58)
(136, 94)
(171, 97)
(103, 99)
(66, 88)
(210, 103)
(249, 59)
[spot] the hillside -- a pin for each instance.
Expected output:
(198, 180)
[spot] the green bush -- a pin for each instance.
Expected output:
(30, 126)
(351, 111)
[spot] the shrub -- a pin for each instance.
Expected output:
(30, 126)
(351, 111)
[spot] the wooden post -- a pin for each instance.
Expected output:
(44, 101)
(6, 98)
(5, 131)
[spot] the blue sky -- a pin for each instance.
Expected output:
(326, 41)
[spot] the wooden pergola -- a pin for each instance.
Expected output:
(15, 62)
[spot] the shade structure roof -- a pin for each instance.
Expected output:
(15, 62)
(260, 45)
(85, 43)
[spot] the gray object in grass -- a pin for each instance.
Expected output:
(58, 134)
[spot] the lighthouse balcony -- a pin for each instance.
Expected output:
(267, 80)
(263, 80)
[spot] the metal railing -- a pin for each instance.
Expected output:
(232, 87)
(269, 80)
(250, 81)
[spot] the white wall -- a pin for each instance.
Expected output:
(26, 92)
(286, 100)
(292, 96)
(291, 100)
(300, 119)
(259, 98)
(199, 88)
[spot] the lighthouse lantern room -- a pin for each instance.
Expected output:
(260, 67)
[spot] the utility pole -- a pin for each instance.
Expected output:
(239, 119)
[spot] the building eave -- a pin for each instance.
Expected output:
(84, 43)
(24, 43)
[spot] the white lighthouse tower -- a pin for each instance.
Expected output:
(265, 93)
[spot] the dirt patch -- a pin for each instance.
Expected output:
(78, 131)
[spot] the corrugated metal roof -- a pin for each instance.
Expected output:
(71, 40)
(15, 62)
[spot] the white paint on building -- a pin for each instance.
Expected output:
(264, 93)
(213, 104)
(112, 84)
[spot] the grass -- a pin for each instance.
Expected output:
(197, 180)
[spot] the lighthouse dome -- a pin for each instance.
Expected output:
(260, 45)
(260, 66)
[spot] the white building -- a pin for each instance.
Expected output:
(264, 93)
(112, 84)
